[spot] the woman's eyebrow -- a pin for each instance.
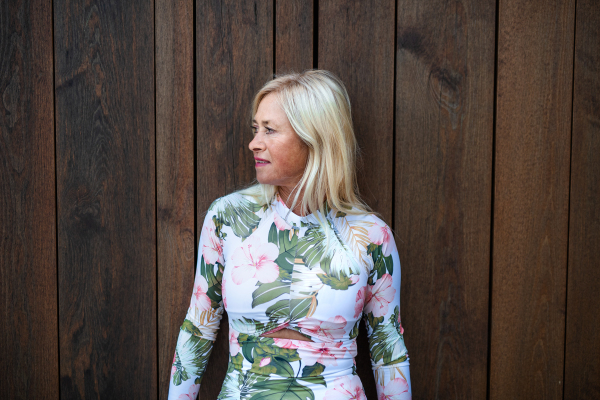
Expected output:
(263, 122)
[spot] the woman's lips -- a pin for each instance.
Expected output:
(259, 162)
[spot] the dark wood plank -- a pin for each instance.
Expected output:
(234, 58)
(356, 42)
(29, 328)
(533, 126)
(294, 35)
(104, 55)
(174, 174)
(444, 135)
(582, 358)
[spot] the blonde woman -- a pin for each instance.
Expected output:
(296, 260)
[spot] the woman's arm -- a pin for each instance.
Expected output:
(198, 331)
(389, 357)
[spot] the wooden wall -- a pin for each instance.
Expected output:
(479, 124)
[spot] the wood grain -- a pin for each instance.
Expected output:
(174, 50)
(234, 58)
(28, 310)
(444, 136)
(293, 35)
(582, 357)
(356, 42)
(104, 55)
(531, 194)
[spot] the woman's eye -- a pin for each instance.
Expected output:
(269, 130)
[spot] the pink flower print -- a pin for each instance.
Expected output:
(346, 388)
(396, 389)
(234, 346)
(212, 246)
(281, 223)
(200, 299)
(265, 361)
(400, 325)
(285, 343)
(173, 368)
(381, 234)
(380, 295)
(191, 394)
(354, 278)
(333, 328)
(360, 301)
(325, 353)
(254, 259)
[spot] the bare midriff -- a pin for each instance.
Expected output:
(286, 334)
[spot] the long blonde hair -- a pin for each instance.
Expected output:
(318, 107)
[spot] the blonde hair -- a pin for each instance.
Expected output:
(318, 107)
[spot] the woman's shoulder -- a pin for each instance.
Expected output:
(235, 200)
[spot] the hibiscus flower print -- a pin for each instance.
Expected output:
(333, 328)
(325, 353)
(254, 259)
(360, 301)
(280, 223)
(285, 343)
(200, 300)
(346, 388)
(382, 235)
(234, 345)
(212, 246)
(191, 394)
(396, 389)
(380, 296)
(173, 368)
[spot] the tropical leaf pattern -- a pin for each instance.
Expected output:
(318, 275)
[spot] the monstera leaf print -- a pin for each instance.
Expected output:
(191, 357)
(387, 343)
(238, 213)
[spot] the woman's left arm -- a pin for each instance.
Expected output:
(389, 357)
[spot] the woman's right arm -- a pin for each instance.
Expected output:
(198, 331)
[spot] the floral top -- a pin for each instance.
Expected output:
(271, 269)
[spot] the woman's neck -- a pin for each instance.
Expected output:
(287, 196)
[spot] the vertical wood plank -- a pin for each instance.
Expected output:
(104, 58)
(174, 174)
(28, 293)
(444, 135)
(582, 358)
(234, 58)
(294, 35)
(534, 89)
(356, 42)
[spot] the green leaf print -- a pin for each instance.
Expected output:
(238, 213)
(354, 331)
(312, 246)
(373, 322)
(299, 308)
(313, 370)
(337, 284)
(189, 327)
(387, 343)
(281, 309)
(269, 291)
(284, 389)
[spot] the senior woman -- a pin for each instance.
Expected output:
(296, 260)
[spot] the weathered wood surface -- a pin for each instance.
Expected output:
(582, 350)
(174, 52)
(356, 42)
(105, 135)
(444, 136)
(294, 35)
(28, 310)
(234, 58)
(531, 199)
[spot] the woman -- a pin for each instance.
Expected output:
(296, 261)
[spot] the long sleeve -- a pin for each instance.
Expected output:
(389, 357)
(198, 331)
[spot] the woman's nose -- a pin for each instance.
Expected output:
(256, 144)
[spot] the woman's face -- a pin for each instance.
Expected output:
(279, 153)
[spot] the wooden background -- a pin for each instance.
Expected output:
(479, 123)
